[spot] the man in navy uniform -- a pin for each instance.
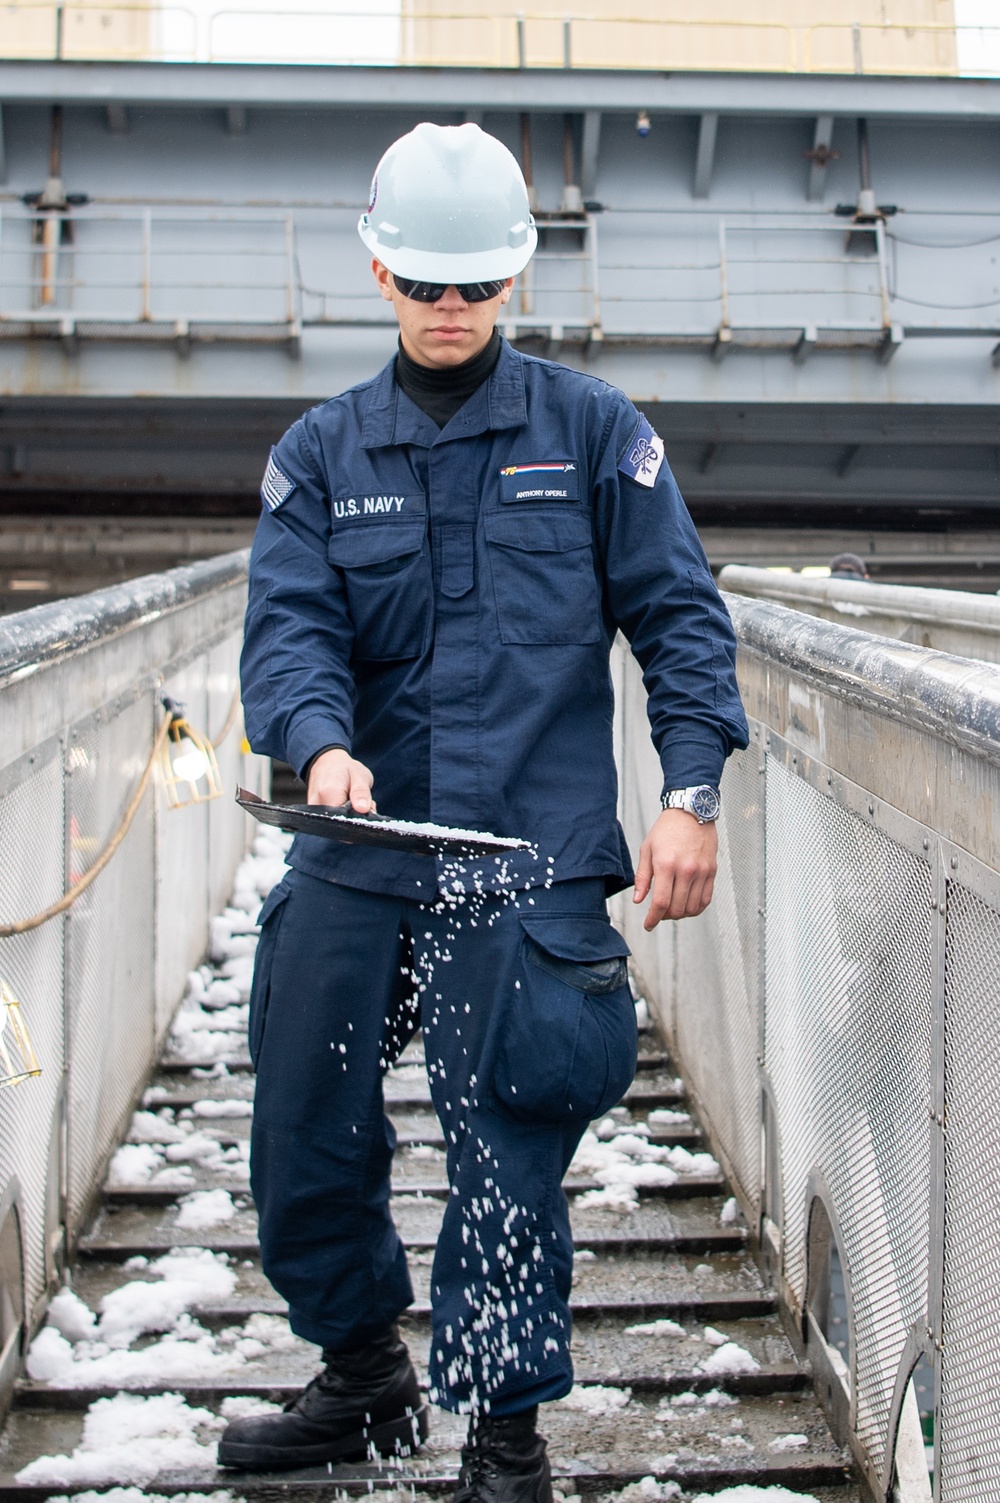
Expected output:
(445, 555)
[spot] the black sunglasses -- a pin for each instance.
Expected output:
(433, 292)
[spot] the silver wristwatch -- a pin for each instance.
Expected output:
(702, 801)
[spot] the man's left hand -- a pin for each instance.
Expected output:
(677, 862)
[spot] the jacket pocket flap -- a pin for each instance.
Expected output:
(539, 533)
(274, 900)
(374, 543)
(575, 936)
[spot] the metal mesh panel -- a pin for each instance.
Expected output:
(181, 865)
(31, 829)
(718, 979)
(109, 941)
(641, 780)
(848, 1030)
(227, 836)
(969, 1420)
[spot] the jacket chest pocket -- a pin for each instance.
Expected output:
(543, 578)
(387, 576)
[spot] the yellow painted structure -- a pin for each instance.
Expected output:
(800, 36)
(77, 31)
(766, 36)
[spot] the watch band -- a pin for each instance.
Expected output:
(702, 801)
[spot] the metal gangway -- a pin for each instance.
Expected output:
(833, 1018)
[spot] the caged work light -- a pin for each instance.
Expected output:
(17, 1056)
(188, 767)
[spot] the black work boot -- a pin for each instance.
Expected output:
(504, 1461)
(363, 1403)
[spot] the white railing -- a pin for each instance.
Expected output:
(81, 685)
(955, 621)
(159, 270)
(837, 1014)
(798, 283)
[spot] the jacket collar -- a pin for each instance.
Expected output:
(391, 418)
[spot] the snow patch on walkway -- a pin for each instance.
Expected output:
(749, 1493)
(78, 1349)
(596, 1398)
(625, 1162)
(132, 1439)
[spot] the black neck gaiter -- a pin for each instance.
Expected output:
(440, 393)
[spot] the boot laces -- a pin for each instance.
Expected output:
(479, 1470)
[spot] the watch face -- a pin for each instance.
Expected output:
(705, 803)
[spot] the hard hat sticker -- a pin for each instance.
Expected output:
(373, 195)
(542, 480)
(643, 456)
(275, 488)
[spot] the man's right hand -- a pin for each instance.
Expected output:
(336, 778)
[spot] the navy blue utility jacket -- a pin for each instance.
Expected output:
(443, 603)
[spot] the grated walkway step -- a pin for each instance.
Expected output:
(708, 1395)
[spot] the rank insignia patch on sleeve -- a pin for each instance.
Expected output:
(643, 456)
(275, 488)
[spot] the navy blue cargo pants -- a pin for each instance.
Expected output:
(529, 1031)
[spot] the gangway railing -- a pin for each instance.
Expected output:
(82, 684)
(954, 621)
(835, 1010)
(802, 284)
(837, 1013)
(156, 274)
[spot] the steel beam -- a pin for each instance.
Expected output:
(704, 161)
(891, 343)
(806, 344)
(709, 458)
(284, 86)
(846, 461)
(820, 158)
(589, 152)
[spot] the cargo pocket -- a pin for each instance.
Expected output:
(544, 583)
(387, 575)
(260, 989)
(569, 1042)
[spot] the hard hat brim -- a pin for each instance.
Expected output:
(450, 268)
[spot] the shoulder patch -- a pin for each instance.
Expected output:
(275, 488)
(643, 456)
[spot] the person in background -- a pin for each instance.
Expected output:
(848, 566)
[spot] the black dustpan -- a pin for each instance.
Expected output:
(342, 823)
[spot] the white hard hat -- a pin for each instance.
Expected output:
(448, 204)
